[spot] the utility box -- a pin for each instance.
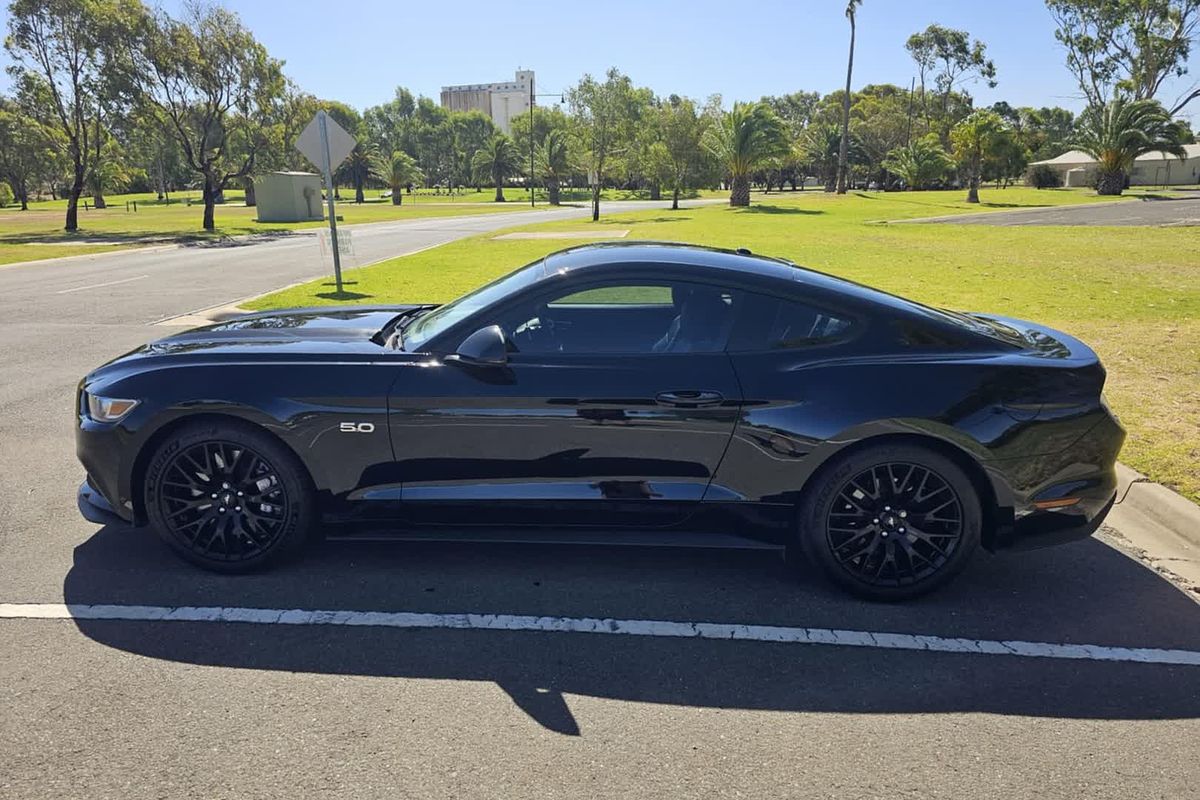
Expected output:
(289, 197)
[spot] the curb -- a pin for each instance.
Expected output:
(1161, 524)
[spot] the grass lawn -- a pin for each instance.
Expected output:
(38, 234)
(1131, 293)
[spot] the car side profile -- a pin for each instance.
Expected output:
(616, 393)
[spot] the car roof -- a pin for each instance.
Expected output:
(608, 254)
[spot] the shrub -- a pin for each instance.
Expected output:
(1043, 176)
(6, 194)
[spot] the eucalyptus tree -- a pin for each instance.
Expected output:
(603, 117)
(950, 59)
(212, 84)
(1116, 133)
(72, 74)
(25, 150)
(742, 140)
(1128, 46)
(683, 138)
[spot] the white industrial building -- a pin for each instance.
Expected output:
(500, 101)
(1077, 168)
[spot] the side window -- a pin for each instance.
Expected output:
(775, 323)
(625, 317)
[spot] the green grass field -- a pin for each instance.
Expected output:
(1131, 293)
(37, 233)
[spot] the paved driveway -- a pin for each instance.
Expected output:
(281, 706)
(1182, 210)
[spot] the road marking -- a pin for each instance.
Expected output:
(101, 285)
(619, 627)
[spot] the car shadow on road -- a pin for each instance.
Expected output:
(1082, 593)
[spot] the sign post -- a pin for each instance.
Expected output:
(327, 144)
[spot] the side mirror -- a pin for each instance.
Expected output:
(486, 347)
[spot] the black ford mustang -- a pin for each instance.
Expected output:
(633, 393)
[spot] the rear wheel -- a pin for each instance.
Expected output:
(228, 497)
(891, 522)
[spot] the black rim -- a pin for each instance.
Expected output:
(223, 500)
(894, 524)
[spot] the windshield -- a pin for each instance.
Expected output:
(436, 322)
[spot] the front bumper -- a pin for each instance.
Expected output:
(95, 508)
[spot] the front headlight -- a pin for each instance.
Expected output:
(108, 409)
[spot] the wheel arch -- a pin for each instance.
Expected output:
(141, 462)
(994, 514)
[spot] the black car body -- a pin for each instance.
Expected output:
(634, 392)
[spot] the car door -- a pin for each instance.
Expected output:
(605, 414)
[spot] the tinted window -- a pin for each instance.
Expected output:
(774, 323)
(624, 317)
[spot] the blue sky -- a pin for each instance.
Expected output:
(359, 51)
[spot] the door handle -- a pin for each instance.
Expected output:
(690, 398)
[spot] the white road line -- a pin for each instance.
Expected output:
(619, 627)
(101, 285)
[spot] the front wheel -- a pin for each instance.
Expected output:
(228, 497)
(891, 522)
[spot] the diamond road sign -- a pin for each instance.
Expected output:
(340, 142)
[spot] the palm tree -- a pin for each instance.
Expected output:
(742, 140)
(554, 161)
(821, 147)
(363, 164)
(498, 159)
(1117, 133)
(974, 139)
(920, 162)
(851, 13)
(404, 172)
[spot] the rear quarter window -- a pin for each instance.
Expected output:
(776, 323)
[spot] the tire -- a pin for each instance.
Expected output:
(193, 503)
(859, 518)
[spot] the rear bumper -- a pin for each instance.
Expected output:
(1047, 527)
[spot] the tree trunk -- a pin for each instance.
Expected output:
(596, 200)
(397, 195)
(251, 199)
(973, 189)
(72, 223)
(210, 202)
(1110, 184)
(675, 199)
(553, 191)
(656, 191)
(844, 147)
(499, 192)
(98, 199)
(358, 191)
(739, 191)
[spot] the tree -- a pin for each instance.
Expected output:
(404, 173)
(24, 150)
(975, 139)
(1118, 132)
(603, 114)
(920, 163)
(212, 85)
(71, 73)
(742, 140)
(554, 161)
(950, 58)
(796, 110)
(497, 160)
(1128, 46)
(363, 165)
(843, 147)
(682, 136)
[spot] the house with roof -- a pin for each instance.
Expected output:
(1077, 168)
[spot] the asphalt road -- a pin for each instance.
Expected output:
(130, 709)
(1180, 210)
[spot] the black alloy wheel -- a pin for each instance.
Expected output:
(891, 522)
(228, 497)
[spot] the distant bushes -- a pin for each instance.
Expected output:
(6, 195)
(1043, 176)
